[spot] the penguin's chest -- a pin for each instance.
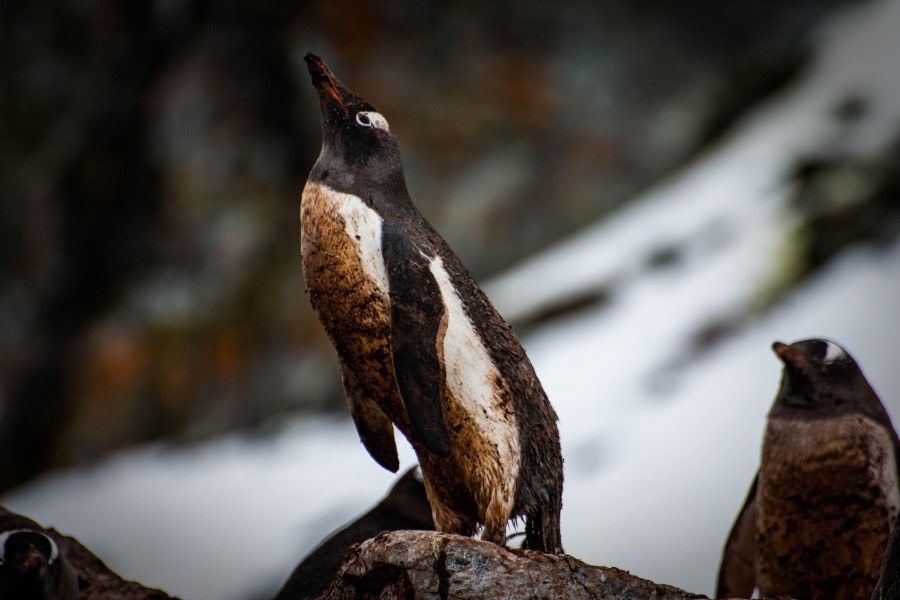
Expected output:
(340, 244)
(827, 495)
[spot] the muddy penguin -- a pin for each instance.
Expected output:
(818, 515)
(888, 587)
(420, 345)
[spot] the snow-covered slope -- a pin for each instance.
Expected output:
(659, 449)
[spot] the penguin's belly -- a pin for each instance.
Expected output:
(482, 423)
(827, 495)
(340, 242)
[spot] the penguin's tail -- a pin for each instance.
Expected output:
(542, 530)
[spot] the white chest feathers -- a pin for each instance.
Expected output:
(362, 225)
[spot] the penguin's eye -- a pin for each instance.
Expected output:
(368, 118)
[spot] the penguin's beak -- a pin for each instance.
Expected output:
(32, 560)
(324, 81)
(787, 354)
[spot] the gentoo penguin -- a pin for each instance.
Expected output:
(888, 587)
(404, 507)
(31, 565)
(819, 512)
(420, 345)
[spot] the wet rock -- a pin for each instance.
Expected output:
(416, 564)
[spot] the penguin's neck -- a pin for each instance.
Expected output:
(387, 197)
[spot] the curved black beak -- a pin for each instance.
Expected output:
(325, 82)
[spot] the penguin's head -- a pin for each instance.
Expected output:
(818, 374)
(356, 138)
(27, 557)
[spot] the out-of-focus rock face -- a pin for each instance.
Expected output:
(152, 159)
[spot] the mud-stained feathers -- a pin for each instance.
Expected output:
(819, 512)
(420, 345)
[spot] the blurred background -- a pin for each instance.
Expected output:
(153, 154)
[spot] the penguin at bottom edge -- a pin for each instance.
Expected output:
(819, 512)
(404, 507)
(32, 567)
(888, 587)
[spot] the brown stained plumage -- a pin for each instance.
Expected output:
(819, 513)
(491, 454)
(468, 487)
(539, 486)
(354, 312)
(473, 465)
(822, 515)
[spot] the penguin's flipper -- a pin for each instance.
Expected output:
(418, 319)
(374, 427)
(737, 573)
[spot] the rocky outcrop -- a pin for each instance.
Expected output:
(96, 581)
(429, 565)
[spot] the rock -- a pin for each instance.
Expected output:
(96, 580)
(405, 507)
(429, 565)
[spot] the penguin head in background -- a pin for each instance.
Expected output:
(25, 549)
(29, 564)
(820, 375)
(356, 138)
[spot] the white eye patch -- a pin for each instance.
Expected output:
(833, 353)
(54, 550)
(370, 118)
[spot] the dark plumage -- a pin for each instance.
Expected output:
(818, 515)
(31, 565)
(404, 507)
(888, 587)
(420, 344)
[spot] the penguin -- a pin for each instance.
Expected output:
(819, 512)
(404, 507)
(888, 587)
(420, 345)
(31, 564)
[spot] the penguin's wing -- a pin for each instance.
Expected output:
(418, 319)
(737, 573)
(374, 427)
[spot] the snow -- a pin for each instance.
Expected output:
(660, 445)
